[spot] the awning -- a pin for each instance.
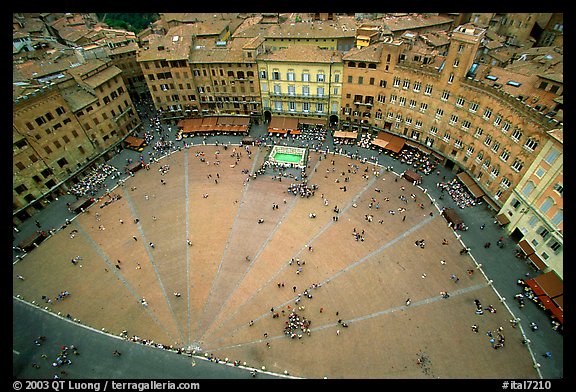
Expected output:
(538, 291)
(526, 247)
(491, 203)
(380, 143)
(537, 262)
(552, 285)
(559, 301)
(134, 141)
(452, 216)
(346, 135)
(394, 143)
(473, 188)
(547, 302)
(411, 176)
(312, 121)
(558, 314)
(286, 123)
(502, 219)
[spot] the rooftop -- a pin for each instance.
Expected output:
(302, 53)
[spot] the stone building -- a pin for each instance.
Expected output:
(62, 126)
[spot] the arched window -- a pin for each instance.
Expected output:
(351, 64)
(528, 188)
(546, 205)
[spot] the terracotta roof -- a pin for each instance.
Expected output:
(329, 29)
(412, 22)
(77, 97)
(302, 53)
(371, 53)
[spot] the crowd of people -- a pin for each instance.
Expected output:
(302, 189)
(458, 192)
(418, 160)
(94, 181)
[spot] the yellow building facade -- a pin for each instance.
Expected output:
(536, 208)
(301, 81)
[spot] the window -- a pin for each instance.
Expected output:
(494, 172)
(516, 135)
(479, 156)
(406, 84)
(487, 114)
(540, 172)
(428, 89)
(554, 245)
(337, 78)
(517, 165)
(466, 125)
(439, 113)
(275, 75)
(40, 120)
(497, 121)
(306, 90)
(505, 183)
(320, 91)
(383, 83)
(551, 157)
(488, 140)
(530, 144)
(445, 95)
(412, 104)
(320, 107)
(402, 101)
(393, 99)
(505, 126)
(558, 218)
(451, 78)
(456, 63)
(495, 147)
(559, 188)
(546, 205)
(453, 119)
(291, 89)
(360, 79)
(528, 188)
(460, 102)
(291, 76)
(306, 106)
(473, 107)
(543, 232)
(292, 106)
(423, 107)
(446, 137)
(470, 151)
(505, 155)
(417, 86)
(320, 77)
(396, 82)
(262, 74)
(381, 98)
